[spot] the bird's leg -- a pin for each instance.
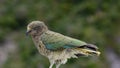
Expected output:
(58, 65)
(51, 64)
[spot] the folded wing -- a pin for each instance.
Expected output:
(56, 41)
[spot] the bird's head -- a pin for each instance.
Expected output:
(36, 28)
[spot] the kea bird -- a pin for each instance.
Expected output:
(57, 47)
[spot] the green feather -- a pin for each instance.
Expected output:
(55, 41)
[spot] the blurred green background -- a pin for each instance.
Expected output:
(93, 21)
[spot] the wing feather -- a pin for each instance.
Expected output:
(55, 41)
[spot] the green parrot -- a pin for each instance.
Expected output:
(57, 47)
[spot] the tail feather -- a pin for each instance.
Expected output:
(79, 55)
(86, 50)
(90, 46)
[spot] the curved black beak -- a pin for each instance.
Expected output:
(27, 32)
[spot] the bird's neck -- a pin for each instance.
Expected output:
(40, 46)
(35, 38)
